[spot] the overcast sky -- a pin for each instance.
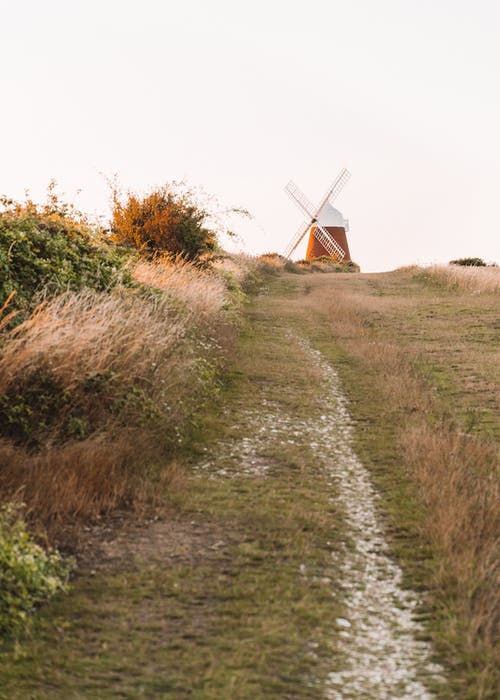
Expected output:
(240, 96)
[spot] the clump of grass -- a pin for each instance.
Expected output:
(273, 260)
(477, 279)
(276, 262)
(78, 482)
(95, 355)
(85, 366)
(327, 264)
(458, 480)
(240, 266)
(203, 292)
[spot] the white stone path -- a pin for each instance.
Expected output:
(383, 658)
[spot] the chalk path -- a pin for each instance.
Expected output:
(382, 656)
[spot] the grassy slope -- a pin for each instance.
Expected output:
(227, 615)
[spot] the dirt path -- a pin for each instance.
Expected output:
(383, 658)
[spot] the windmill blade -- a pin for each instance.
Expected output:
(297, 239)
(300, 200)
(328, 243)
(335, 189)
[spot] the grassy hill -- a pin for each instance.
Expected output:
(235, 590)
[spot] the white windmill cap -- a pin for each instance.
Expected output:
(329, 216)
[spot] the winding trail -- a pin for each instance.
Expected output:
(381, 655)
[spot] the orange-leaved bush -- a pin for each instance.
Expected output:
(167, 220)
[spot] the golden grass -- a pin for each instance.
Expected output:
(203, 292)
(474, 279)
(79, 482)
(83, 334)
(127, 358)
(458, 480)
(239, 265)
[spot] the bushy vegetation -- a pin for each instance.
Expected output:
(469, 262)
(275, 262)
(50, 248)
(165, 220)
(29, 575)
(109, 355)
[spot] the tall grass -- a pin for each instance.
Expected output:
(473, 279)
(80, 335)
(458, 480)
(204, 293)
(98, 388)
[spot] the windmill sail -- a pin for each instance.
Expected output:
(297, 239)
(300, 200)
(334, 190)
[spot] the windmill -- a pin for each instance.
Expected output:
(326, 225)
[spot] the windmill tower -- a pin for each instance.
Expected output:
(326, 225)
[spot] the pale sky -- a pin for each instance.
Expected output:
(239, 97)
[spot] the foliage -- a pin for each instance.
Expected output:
(166, 220)
(47, 249)
(29, 575)
(469, 262)
(324, 263)
(98, 387)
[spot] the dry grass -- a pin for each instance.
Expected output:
(240, 266)
(204, 293)
(83, 334)
(473, 279)
(458, 480)
(100, 362)
(65, 486)
(71, 485)
(273, 260)
(120, 360)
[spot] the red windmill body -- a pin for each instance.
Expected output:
(326, 226)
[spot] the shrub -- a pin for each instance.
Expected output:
(49, 249)
(164, 221)
(469, 262)
(29, 575)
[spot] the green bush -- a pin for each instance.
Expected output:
(469, 262)
(51, 248)
(29, 575)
